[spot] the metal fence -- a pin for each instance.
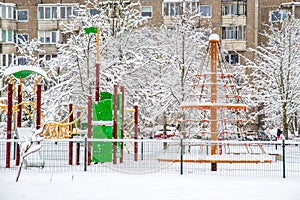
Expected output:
(177, 156)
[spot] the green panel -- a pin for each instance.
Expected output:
(90, 30)
(105, 95)
(103, 110)
(22, 73)
(102, 151)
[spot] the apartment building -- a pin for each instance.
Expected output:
(238, 22)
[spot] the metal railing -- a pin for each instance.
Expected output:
(177, 156)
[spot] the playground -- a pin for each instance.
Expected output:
(92, 137)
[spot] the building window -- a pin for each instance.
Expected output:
(7, 59)
(47, 12)
(172, 9)
(232, 59)
(205, 10)
(234, 32)
(23, 15)
(43, 58)
(48, 37)
(94, 12)
(234, 8)
(22, 61)
(22, 38)
(66, 12)
(8, 36)
(8, 12)
(146, 11)
(276, 15)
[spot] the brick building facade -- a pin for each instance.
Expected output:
(238, 22)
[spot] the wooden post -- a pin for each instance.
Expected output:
(213, 39)
(97, 92)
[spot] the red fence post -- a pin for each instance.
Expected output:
(38, 106)
(122, 126)
(115, 123)
(19, 121)
(78, 144)
(136, 119)
(8, 126)
(71, 129)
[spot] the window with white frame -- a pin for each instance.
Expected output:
(277, 15)
(47, 37)
(8, 36)
(172, 8)
(146, 11)
(8, 11)
(232, 59)
(205, 10)
(22, 38)
(234, 32)
(67, 11)
(23, 15)
(7, 59)
(56, 11)
(47, 12)
(234, 8)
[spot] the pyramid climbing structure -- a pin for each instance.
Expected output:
(214, 104)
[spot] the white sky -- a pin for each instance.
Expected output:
(115, 186)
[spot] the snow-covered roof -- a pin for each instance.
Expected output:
(214, 37)
(11, 70)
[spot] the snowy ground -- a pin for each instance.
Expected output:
(115, 186)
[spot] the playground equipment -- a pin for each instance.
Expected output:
(20, 73)
(105, 117)
(214, 98)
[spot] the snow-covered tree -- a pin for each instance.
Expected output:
(276, 76)
(74, 68)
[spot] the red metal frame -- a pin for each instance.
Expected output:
(8, 127)
(71, 129)
(136, 119)
(115, 123)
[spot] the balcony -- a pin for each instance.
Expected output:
(7, 48)
(236, 20)
(234, 45)
(8, 24)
